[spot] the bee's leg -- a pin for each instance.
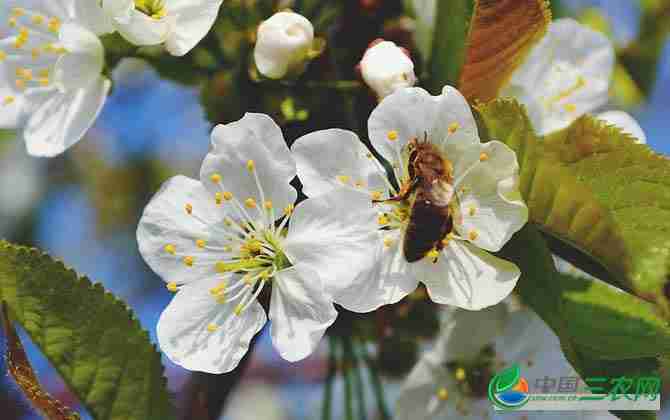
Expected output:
(404, 193)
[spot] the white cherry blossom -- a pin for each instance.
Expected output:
(385, 67)
(566, 75)
(179, 24)
(283, 44)
(484, 200)
(51, 62)
(451, 380)
(219, 241)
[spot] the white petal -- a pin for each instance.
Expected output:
(386, 68)
(193, 20)
(491, 207)
(166, 222)
(119, 10)
(389, 281)
(282, 44)
(300, 312)
(9, 114)
(467, 277)
(60, 120)
(257, 138)
(330, 159)
(464, 334)
(334, 235)
(140, 29)
(84, 60)
(92, 15)
(418, 399)
(565, 76)
(626, 123)
(413, 113)
(184, 337)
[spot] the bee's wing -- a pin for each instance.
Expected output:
(428, 224)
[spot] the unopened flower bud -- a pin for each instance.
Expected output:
(283, 45)
(385, 67)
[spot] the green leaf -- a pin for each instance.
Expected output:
(452, 25)
(91, 338)
(507, 378)
(632, 183)
(603, 331)
(559, 202)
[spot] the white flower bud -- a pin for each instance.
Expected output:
(385, 67)
(283, 44)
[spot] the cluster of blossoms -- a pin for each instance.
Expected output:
(236, 239)
(52, 86)
(219, 241)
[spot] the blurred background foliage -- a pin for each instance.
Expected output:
(83, 206)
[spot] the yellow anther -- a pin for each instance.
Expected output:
(359, 184)
(460, 374)
(189, 208)
(221, 299)
(38, 19)
(433, 254)
(219, 289)
(227, 248)
(471, 211)
(251, 165)
(216, 178)
(8, 100)
(188, 261)
(288, 210)
(3, 56)
(267, 205)
(369, 155)
(343, 178)
(388, 242)
(228, 222)
(170, 249)
(18, 11)
(238, 309)
(446, 240)
(248, 279)
(12, 22)
(250, 203)
(227, 195)
(453, 127)
(376, 195)
(212, 328)
(473, 235)
(54, 24)
(36, 53)
(200, 243)
(24, 73)
(218, 197)
(392, 135)
(221, 267)
(443, 394)
(44, 81)
(172, 286)
(570, 108)
(383, 220)
(20, 84)
(43, 73)
(483, 157)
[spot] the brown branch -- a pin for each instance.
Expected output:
(20, 369)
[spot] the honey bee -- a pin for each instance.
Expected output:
(431, 216)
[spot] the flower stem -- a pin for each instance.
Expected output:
(376, 384)
(358, 382)
(332, 370)
(348, 376)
